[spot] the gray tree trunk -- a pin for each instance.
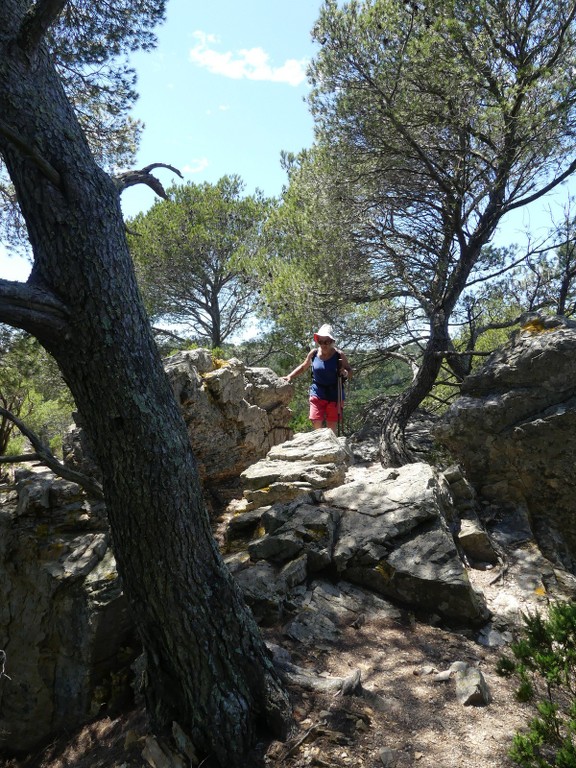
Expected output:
(393, 449)
(207, 665)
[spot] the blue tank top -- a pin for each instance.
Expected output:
(325, 378)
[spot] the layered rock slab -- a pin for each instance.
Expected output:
(386, 530)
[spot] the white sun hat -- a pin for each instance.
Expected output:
(324, 331)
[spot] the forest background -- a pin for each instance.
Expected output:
(239, 114)
(434, 122)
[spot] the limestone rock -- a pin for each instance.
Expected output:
(514, 431)
(63, 617)
(476, 542)
(310, 460)
(385, 530)
(307, 528)
(394, 539)
(325, 608)
(235, 413)
(471, 687)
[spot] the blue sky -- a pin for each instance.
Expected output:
(224, 93)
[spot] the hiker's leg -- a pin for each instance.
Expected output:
(332, 416)
(317, 412)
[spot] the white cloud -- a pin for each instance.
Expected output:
(252, 64)
(197, 166)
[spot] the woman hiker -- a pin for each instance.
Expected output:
(326, 392)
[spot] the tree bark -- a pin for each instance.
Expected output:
(393, 449)
(208, 668)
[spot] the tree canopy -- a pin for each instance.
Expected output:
(90, 43)
(437, 119)
(189, 251)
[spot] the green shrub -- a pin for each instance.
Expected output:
(545, 664)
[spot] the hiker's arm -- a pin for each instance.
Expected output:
(346, 370)
(300, 368)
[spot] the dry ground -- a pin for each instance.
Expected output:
(404, 718)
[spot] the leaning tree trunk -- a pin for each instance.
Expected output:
(393, 449)
(208, 668)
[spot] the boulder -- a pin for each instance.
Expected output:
(309, 461)
(394, 538)
(471, 687)
(63, 619)
(384, 530)
(513, 430)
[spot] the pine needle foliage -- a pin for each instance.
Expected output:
(544, 662)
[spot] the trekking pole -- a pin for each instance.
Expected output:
(340, 408)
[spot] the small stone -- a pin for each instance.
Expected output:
(388, 757)
(458, 666)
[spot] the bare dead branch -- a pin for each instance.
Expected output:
(544, 190)
(143, 176)
(468, 353)
(46, 456)
(31, 153)
(170, 334)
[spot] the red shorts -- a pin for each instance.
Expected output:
(321, 410)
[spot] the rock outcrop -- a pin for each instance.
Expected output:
(514, 431)
(310, 461)
(315, 543)
(387, 531)
(63, 616)
(234, 413)
(64, 623)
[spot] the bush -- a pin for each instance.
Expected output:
(545, 665)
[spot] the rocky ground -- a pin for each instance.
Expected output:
(403, 716)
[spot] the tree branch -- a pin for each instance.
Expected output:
(143, 176)
(46, 456)
(33, 309)
(19, 459)
(36, 22)
(31, 153)
(537, 195)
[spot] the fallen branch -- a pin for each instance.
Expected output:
(19, 459)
